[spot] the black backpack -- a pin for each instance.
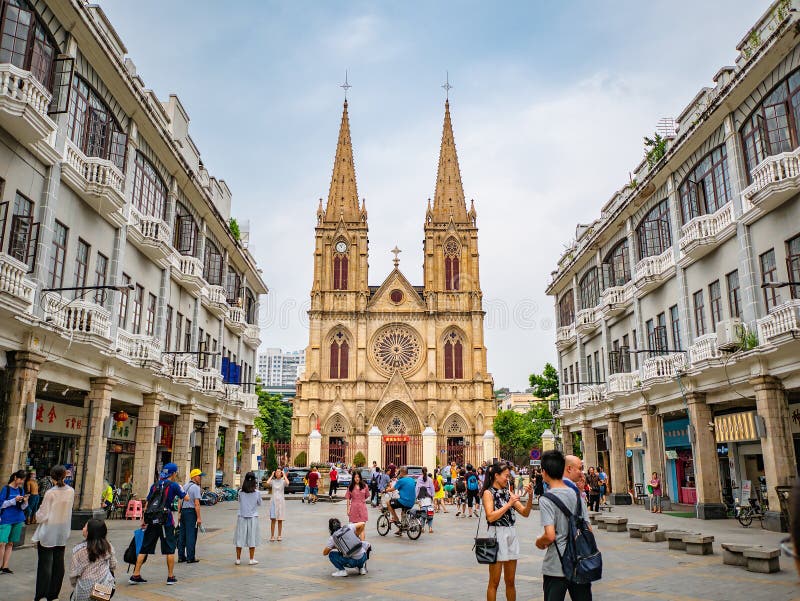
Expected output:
(158, 511)
(581, 562)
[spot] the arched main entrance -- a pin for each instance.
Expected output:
(402, 440)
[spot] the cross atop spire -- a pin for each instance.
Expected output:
(448, 201)
(343, 195)
(396, 252)
(345, 86)
(447, 87)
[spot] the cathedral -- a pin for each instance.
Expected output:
(393, 369)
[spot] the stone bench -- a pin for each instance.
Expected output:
(675, 539)
(762, 560)
(654, 536)
(608, 508)
(600, 521)
(615, 523)
(698, 544)
(593, 517)
(733, 555)
(636, 530)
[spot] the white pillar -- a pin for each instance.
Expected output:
(488, 446)
(429, 448)
(314, 447)
(374, 438)
(548, 440)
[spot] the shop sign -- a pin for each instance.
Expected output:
(59, 419)
(676, 433)
(794, 414)
(671, 454)
(124, 430)
(633, 438)
(396, 438)
(736, 427)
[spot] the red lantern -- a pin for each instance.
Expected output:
(120, 416)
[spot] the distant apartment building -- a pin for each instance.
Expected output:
(517, 401)
(276, 368)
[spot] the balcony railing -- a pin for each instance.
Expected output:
(651, 272)
(236, 320)
(23, 111)
(152, 235)
(704, 348)
(702, 233)
(211, 381)
(249, 401)
(590, 395)
(252, 335)
(98, 181)
(587, 320)
(663, 366)
(215, 298)
(138, 348)
(188, 271)
(775, 180)
(623, 382)
(182, 368)
(568, 402)
(782, 320)
(13, 281)
(78, 316)
(615, 299)
(565, 336)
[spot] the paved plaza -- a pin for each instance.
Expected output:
(437, 566)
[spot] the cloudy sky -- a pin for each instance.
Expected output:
(550, 103)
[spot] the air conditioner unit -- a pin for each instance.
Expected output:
(730, 334)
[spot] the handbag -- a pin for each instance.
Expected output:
(101, 592)
(485, 548)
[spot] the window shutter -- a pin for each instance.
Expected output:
(62, 84)
(334, 367)
(118, 149)
(455, 269)
(3, 217)
(448, 361)
(20, 236)
(343, 282)
(344, 351)
(336, 271)
(448, 273)
(458, 362)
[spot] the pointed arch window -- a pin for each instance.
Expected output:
(453, 357)
(340, 271)
(339, 357)
(451, 265)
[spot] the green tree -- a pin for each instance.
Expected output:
(274, 419)
(545, 386)
(359, 460)
(520, 432)
(233, 225)
(272, 458)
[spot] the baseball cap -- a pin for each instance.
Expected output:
(196, 472)
(170, 468)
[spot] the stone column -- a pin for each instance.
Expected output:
(247, 449)
(229, 459)
(706, 463)
(314, 447)
(654, 460)
(23, 367)
(181, 441)
(209, 449)
(566, 441)
(429, 448)
(548, 440)
(589, 438)
(489, 446)
(374, 438)
(144, 463)
(619, 466)
(99, 399)
(777, 446)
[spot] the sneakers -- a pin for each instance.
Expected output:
(136, 580)
(362, 571)
(237, 562)
(253, 562)
(340, 574)
(172, 580)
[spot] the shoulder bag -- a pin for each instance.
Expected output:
(485, 548)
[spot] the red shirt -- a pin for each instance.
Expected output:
(334, 475)
(312, 479)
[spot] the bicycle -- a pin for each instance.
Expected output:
(747, 513)
(409, 523)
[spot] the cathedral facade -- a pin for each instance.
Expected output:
(391, 368)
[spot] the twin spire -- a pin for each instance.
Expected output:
(448, 200)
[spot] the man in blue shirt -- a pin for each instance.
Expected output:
(407, 487)
(162, 526)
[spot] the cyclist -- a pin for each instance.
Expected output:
(406, 486)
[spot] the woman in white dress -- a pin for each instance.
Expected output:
(248, 533)
(277, 508)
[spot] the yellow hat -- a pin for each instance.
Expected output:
(196, 472)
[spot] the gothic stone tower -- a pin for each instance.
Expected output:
(386, 363)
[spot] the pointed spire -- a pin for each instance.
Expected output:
(449, 198)
(343, 195)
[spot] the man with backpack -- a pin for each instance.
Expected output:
(573, 562)
(473, 488)
(158, 523)
(347, 548)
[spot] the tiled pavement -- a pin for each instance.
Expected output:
(437, 566)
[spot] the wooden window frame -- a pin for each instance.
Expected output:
(122, 313)
(138, 305)
(150, 322)
(617, 265)
(769, 273)
(715, 303)
(149, 190)
(734, 293)
(58, 256)
(698, 303)
(566, 309)
(675, 326)
(589, 288)
(81, 264)
(793, 264)
(654, 233)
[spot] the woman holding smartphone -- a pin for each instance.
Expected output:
(277, 508)
(13, 503)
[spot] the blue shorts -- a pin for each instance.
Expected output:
(313, 490)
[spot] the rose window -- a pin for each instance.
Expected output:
(396, 348)
(396, 426)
